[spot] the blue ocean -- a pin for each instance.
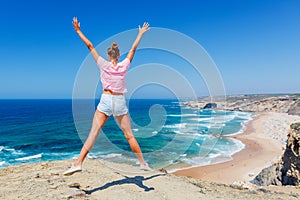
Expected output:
(171, 135)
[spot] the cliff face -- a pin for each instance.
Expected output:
(252, 103)
(291, 157)
(287, 171)
(295, 108)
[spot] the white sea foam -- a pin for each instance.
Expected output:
(219, 156)
(13, 151)
(111, 155)
(135, 129)
(247, 118)
(192, 133)
(197, 161)
(60, 154)
(219, 121)
(171, 106)
(201, 119)
(212, 125)
(214, 155)
(243, 115)
(9, 149)
(177, 132)
(237, 144)
(29, 157)
(2, 163)
(180, 125)
(1, 148)
(238, 132)
(205, 125)
(118, 158)
(183, 115)
(202, 161)
(154, 132)
(223, 118)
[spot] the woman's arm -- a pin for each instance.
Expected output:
(88, 43)
(142, 30)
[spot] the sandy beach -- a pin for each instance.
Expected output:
(264, 138)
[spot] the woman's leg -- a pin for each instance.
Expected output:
(98, 122)
(124, 123)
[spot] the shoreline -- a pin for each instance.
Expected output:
(264, 146)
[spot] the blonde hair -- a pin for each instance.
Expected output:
(113, 51)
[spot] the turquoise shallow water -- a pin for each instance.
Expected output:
(168, 133)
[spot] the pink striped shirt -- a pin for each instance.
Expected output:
(113, 77)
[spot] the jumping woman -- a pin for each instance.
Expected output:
(112, 100)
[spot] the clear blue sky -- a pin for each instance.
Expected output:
(254, 43)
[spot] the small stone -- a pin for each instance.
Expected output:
(76, 185)
(294, 195)
(54, 187)
(239, 185)
(264, 190)
(252, 192)
(251, 174)
(163, 170)
(77, 193)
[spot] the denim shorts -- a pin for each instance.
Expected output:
(112, 105)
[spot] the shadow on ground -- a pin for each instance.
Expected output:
(137, 180)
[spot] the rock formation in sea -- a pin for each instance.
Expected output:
(287, 170)
(210, 106)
